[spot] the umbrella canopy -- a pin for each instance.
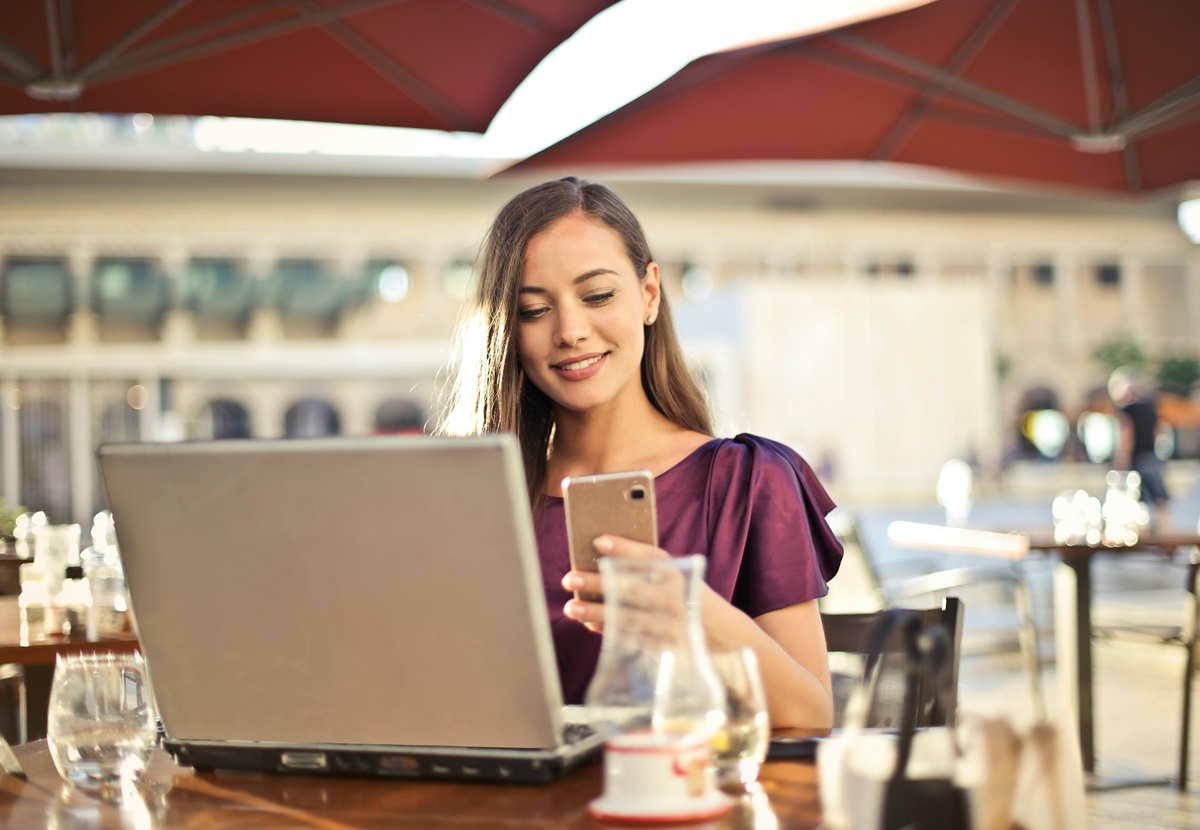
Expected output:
(438, 64)
(1100, 94)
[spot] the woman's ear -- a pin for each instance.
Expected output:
(651, 293)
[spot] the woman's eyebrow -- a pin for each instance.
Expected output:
(584, 277)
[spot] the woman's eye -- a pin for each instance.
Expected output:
(532, 313)
(599, 298)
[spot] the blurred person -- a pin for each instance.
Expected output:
(1137, 413)
(570, 345)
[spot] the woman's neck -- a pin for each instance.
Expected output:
(633, 436)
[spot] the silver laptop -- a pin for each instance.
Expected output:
(365, 606)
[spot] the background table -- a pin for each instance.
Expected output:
(38, 661)
(1073, 625)
(174, 797)
(1072, 606)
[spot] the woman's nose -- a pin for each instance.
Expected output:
(570, 327)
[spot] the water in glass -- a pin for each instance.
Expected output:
(740, 746)
(101, 727)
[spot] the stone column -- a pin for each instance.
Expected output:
(1133, 303)
(10, 439)
(178, 326)
(266, 323)
(1192, 296)
(83, 328)
(1066, 289)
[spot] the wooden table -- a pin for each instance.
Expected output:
(786, 798)
(38, 660)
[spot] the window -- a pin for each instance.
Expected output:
(128, 289)
(1108, 274)
(303, 288)
(1042, 273)
(218, 289)
(220, 419)
(387, 280)
(36, 290)
(311, 418)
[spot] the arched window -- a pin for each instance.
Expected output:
(220, 419)
(399, 416)
(311, 418)
(1043, 430)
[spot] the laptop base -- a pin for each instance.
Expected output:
(508, 766)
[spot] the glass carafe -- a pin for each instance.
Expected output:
(654, 670)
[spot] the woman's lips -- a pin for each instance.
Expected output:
(580, 368)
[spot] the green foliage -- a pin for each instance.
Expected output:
(8, 518)
(1119, 351)
(1178, 374)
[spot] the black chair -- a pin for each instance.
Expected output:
(860, 587)
(937, 702)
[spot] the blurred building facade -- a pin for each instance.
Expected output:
(880, 331)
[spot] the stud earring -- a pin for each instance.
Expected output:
(650, 320)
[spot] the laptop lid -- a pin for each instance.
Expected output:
(381, 591)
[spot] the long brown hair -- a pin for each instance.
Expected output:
(489, 392)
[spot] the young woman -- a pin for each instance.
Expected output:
(570, 346)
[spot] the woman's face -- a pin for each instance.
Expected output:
(581, 309)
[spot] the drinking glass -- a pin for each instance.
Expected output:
(101, 726)
(740, 747)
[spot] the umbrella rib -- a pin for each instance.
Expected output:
(921, 107)
(521, 18)
(1116, 72)
(142, 60)
(67, 36)
(1117, 91)
(1087, 60)
(957, 86)
(972, 119)
(19, 62)
(132, 36)
(1164, 109)
(196, 34)
(395, 74)
(56, 47)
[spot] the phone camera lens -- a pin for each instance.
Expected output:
(637, 493)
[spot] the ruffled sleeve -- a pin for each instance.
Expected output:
(769, 544)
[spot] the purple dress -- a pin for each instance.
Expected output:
(752, 506)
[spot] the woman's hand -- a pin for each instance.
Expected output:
(591, 614)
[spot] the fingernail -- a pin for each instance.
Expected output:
(604, 544)
(572, 609)
(571, 582)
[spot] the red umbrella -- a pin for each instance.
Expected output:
(440, 64)
(1101, 94)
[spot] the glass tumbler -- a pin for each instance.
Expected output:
(101, 726)
(740, 747)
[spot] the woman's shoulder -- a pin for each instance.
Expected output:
(763, 465)
(747, 448)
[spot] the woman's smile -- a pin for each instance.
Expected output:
(580, 368)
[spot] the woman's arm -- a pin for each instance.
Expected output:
(789, 642)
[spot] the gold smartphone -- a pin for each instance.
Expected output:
(619, 504)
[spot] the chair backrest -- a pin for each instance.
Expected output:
(848, 633)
